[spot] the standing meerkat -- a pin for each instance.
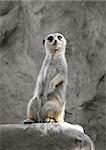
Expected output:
(49, 100)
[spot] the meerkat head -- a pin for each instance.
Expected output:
(55, 43)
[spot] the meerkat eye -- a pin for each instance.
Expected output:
(50, 38)
(59, 37)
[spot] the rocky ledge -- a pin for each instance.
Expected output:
(44, 136)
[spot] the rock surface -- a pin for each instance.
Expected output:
(43, 137)
(23, 26)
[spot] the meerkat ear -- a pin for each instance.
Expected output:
(43, 41)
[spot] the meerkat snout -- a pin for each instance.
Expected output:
(55, 42)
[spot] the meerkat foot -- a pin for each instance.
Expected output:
(49, 120)
(28, 121)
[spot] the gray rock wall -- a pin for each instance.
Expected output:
(23, 26)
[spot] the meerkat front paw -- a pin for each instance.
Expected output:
(49, 120)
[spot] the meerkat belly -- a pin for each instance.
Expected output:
(48, 74)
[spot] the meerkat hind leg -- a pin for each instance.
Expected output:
(52, 112)
(59, 117)
(33, 111)
(56, 117)
(50, 117)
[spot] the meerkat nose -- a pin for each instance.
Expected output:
(55, 42)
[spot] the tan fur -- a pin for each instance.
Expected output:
(48, 102)
(60, 116)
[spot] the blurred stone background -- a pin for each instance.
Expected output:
(23, 26)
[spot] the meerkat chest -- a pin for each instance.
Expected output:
(49, 72)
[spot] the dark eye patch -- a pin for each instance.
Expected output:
(50, 38)
(59, 37)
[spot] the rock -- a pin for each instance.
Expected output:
(44, 137)
(23, 26)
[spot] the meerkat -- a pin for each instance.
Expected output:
(49, 100)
